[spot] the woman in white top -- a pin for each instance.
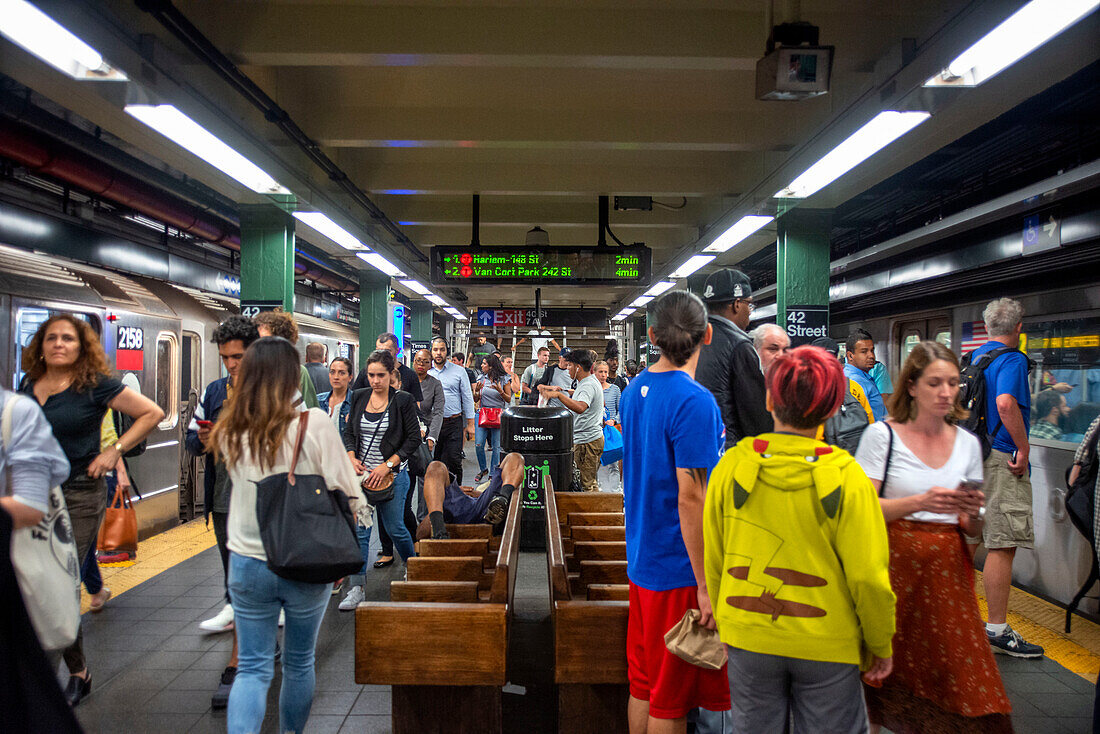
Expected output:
(255, 436)
(928, 472)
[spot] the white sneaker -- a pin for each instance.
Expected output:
(222, 622)
(282, 617)
(351, 601)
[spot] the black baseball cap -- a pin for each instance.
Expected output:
(726, 286)
(565, 352)
(829, 345)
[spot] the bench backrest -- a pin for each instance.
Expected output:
(555, 553)
(568, 502)
(504, 576)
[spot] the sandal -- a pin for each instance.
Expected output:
(481, 475)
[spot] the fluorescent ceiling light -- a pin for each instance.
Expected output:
(41, 35)
(456, 313)
(693, 263)
(659, 288)
(436, 300)
(190, 135)
(883, 129)
(623, 314)
(373, 258)
(1024, 31)
(642, 300)
(416, 285)
(739, 231)
(320, 222)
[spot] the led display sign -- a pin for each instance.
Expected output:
(541, 266)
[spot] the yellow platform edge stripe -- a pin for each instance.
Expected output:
(154, 555)
(1038, 621)
(1041, 623)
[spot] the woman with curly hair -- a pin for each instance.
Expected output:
(66, 372)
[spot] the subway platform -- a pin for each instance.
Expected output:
(154, 670)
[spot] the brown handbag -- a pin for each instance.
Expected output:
(119, 529)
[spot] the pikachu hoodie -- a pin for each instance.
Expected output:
(795, 552)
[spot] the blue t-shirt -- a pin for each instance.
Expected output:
(870, 389)
(1006, 376)
(669, 420)
(881, 376)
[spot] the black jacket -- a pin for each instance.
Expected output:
(402, 437)
(730, 368)
(410, 383)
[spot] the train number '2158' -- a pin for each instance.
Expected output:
(130, 337)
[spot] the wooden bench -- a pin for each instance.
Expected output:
(589, 635)
(441, 642)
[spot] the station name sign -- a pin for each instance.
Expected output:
(541, 265)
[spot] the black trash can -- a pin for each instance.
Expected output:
(545, 438)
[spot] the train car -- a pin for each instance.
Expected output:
(157, 339)
(1061, 334)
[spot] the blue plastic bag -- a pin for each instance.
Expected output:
(612, 445)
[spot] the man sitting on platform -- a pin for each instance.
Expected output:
(448, 502)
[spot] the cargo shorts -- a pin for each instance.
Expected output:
(1008, 513)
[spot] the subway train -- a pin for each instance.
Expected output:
(157, 339)
(1061, 334)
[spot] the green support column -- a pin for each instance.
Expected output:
(421, 321)
(267, 253)
(802, 274)
(374, 303)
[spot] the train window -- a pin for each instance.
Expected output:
(1065, 384)
(943, 336)
(28, 319)
(190, 373)
(168, 378)
(908, 344)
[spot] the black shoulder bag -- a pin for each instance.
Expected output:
(889, 453)
(307, 530)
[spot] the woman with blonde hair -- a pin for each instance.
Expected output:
(928, 473)
(67, 373)
(255, 437)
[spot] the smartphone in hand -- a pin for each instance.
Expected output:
(971, 485)
(205, 424)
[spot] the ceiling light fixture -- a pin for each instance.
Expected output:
(1021, 33)
(320, 222)
(416, 285)
(623, 314)
(883, 129)
(381, 263)
(437, 300)
(41, 35)
(642, 300)
(193, 137)
(659, 288)
(692, 264)
(740, 230)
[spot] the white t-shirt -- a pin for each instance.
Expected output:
(538, 339)
(909, 475)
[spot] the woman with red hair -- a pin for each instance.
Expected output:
(796, 562)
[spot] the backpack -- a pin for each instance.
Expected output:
(845, 427)
(548, 374)
(972, 395)
(123, 423)
(1080, 507)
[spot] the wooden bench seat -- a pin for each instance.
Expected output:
(589, 635)
(598, 533)
(596, 550)
(595, 518)
(441, 642)
(609, 592)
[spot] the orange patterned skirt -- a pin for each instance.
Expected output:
(944, 679)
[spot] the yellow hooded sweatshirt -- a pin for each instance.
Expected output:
(795, 552)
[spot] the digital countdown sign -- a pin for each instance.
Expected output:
(541, 266)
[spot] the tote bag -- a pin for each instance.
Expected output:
(119, 529)
(612, 445)
(45, 561)
(307, 530)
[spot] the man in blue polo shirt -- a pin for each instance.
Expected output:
(1008, 515)
(860, 360)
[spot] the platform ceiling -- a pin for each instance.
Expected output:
(542, 106)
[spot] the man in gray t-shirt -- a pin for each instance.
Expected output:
(587, 404)
(532, 375)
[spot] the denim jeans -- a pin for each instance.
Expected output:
(392, 513)
(364, 550)
(89, 573)
(258, 595)
(493, 434)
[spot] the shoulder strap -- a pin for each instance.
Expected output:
(889, 453)
(303, 421)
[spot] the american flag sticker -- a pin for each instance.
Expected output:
(973, 335)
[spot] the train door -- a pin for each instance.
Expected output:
(911, 333)
(191, 387)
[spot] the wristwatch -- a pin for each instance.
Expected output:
(389, 464)
(118, 447)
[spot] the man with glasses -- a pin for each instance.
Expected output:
(729, 366)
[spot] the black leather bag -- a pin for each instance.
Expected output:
(308, 532)
(419, 460)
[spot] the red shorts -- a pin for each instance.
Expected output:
(672, 687)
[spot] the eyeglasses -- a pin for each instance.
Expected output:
(748, 302)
